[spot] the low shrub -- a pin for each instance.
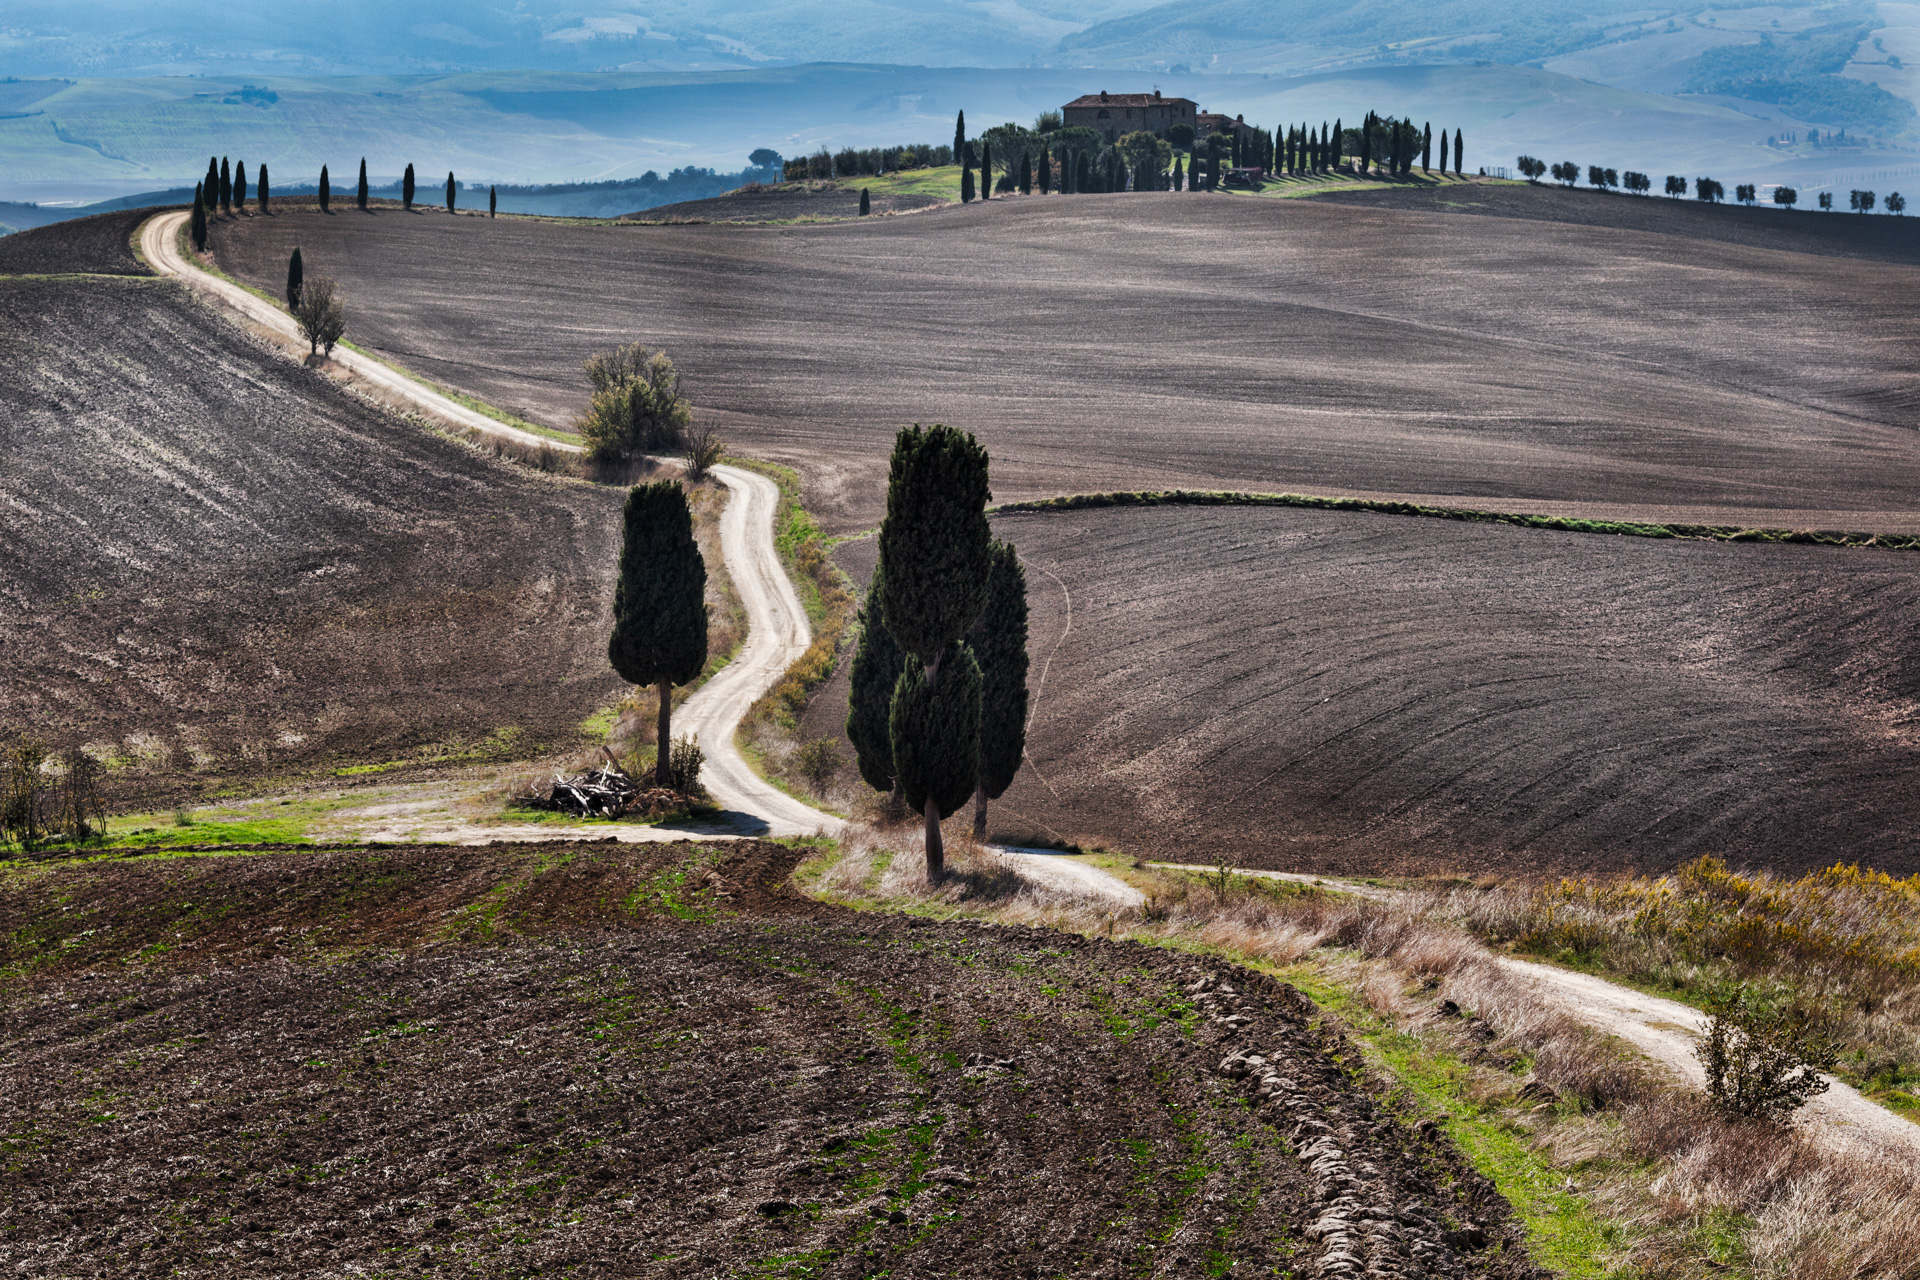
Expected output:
(1763, 1061)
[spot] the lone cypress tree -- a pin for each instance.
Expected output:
(406, 189)
(197, 220)
(296, 276)
(450, 191)
(877, 666)
(263, 188)
(1426, 150)
(999, 644)
(326, 191)
(493, 200)
(959, 138)
(226, 187)
(1459, 155)
(360, 196)
(966, 184)
(659, 602)
(986, 169)
(239, 185)
(866, 203)
(935, 560)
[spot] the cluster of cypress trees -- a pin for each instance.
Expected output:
(1394, 145)
(938, 706)
(223, 190)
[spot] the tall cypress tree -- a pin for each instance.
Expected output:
(935, 561)
(197, 220)
(1426, 149)
(296, 276)
(966, 184)
(406, 189)
(999, 644)
(659, 603)
(239, 184)
(1443, 153)
(877, 667)
(1043, 172)
(326, 191)
(450, 191)
(264, 193)
(493, 200)
(212, 184)
(360, 196)
(1459, 155)
(986, 169)
(959, 137)
(1338, 140)
(866, 203)
(1179, 175)
(1026, 174)
(226, 187)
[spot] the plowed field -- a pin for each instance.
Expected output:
(1148, 341)
(101, 244)
(618, 1061)
(215, 564)
(1341, 692)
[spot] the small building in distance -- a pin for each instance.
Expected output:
(1115, 114)
(1208, 123)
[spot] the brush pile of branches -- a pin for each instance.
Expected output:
(607, 792)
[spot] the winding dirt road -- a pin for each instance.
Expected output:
(777, 628)
(778, 633)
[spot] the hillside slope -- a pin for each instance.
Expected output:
(214, 564)
(1354, 693)
(1134, 341)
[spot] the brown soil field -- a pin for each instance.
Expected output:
(788, 201)
(1153, 341)
(609, 1061)
(216, 565)
(1352, 693)
(100, 244)
(1805, 230)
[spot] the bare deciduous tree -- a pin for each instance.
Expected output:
(321, 313)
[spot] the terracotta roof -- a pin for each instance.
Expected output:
(1125, 100)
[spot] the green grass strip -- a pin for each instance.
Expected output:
(1388, 506)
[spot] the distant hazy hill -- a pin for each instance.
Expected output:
(1489, 30)
(305, 37)
(1821, 64)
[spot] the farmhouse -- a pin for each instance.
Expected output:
(1207, 123)
(1114, 114)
